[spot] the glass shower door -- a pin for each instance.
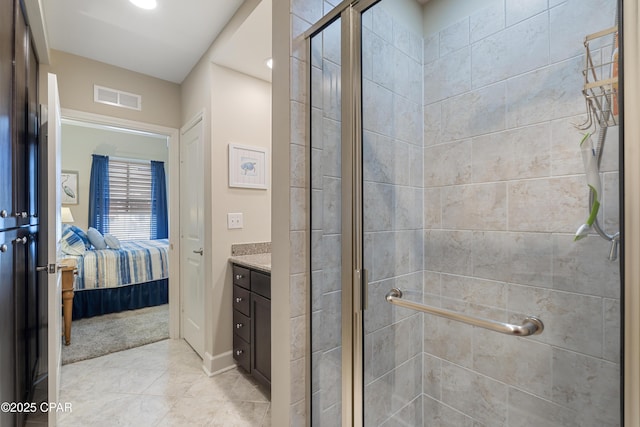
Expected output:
(473, 187)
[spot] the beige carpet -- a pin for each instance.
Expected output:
(100, 335)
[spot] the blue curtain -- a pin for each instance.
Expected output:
(99, 194)
(159, 215)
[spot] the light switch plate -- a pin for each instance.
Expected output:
(234, 220)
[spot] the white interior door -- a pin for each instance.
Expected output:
(192, 234)
(50, 229)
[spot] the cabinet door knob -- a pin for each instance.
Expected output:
(239, 352)
(238, 299)
(4, 213)
(239, 276)
(239, 325)
(3, 248)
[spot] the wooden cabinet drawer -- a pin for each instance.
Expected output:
(261, 284)
(241, 276)
(242, 353)
(241, 300)
(242, 325)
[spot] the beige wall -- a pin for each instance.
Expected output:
(236, 108)
(241, 114)
(77, 76)
(80, 142)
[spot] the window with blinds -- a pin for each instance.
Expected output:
(130, 199)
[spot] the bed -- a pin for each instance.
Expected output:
(131, 277)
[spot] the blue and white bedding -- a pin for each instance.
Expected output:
(137, 261)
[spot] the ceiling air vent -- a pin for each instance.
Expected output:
(117, 98)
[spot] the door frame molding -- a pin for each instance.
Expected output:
(173, 139)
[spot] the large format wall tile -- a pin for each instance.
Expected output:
(547, 205)
(487, 21)
(501, 357)
(561, 312)
(474, 113)
(477, 395)
(584, 267)
(475, 207)
(514, 154)
(447, 164)
(523, 258)
(454, 37)
(498, 57)
(546, 94)
(448, 76)
(438, 414)
(526, 410)
(448, 251)
(589, 386)
(572, 20)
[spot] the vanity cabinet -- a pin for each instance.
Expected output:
(252, 322)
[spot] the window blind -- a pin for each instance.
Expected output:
(130, 200)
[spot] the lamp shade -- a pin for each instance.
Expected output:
(66, 215)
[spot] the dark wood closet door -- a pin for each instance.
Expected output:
(20, 247)
(31, 309)
(7, 220)
(7, 323)
(33, 126)
(20, 173)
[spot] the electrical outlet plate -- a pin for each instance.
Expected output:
(234, 220)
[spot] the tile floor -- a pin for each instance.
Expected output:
(160, 384)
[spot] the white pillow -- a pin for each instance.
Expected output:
(111, 241)
(96, 238)
(71, 243)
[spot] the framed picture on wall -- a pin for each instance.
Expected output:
(247, 167)
(69, 190)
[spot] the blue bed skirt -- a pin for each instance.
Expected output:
(96, 302)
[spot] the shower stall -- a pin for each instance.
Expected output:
(448, 287)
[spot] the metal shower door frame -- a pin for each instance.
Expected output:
(353, 285)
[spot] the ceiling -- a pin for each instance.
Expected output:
(166, 42)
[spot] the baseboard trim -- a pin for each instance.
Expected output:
(213, 365)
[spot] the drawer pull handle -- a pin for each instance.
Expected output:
(239, 276)
(238, 299)
(239, 352)
(22, 240)
(239, 325)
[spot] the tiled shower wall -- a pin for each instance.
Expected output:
(504, 194)
(326, 227)
(393, 223)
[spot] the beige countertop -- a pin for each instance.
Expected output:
(260, 262)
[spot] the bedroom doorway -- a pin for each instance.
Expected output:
(132, 148)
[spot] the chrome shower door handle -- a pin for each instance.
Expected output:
(530, 326)
(200, 251)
